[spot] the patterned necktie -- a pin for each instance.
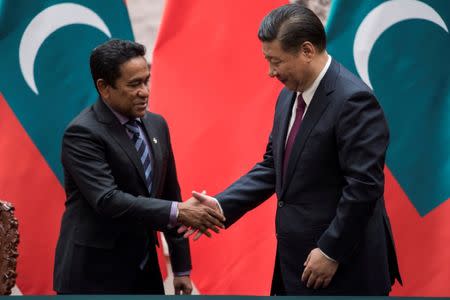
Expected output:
(301, 105)
(142, 150)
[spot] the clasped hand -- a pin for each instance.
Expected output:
(199, 215)
(203, 200)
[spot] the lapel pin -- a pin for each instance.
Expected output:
(155, 141)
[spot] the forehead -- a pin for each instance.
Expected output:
(135, 67)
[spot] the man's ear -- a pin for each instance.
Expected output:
(103, 88)
(308, 50)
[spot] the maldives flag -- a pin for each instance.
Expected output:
(211, 83)
(397, 47)
(45, 82)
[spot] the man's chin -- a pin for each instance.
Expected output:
(139, 113)
(291, 88)
(288, 84)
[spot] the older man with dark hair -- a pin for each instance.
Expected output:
(121, 186)
(324, 160)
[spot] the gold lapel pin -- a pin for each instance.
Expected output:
(155, 141)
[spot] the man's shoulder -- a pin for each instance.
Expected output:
(284, 96)
(351, 92)
(155, 120)
(154, 117)
(86, 118)
(285, 93)
(349, 82)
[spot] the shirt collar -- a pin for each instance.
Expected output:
(309, 93)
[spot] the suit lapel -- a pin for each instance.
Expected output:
(118, 134)
(156, 151)
(315, 110)
(285, 113)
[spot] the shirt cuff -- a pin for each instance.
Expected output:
(218, 204)
(185, 273)
(173, 218)
(326, 255)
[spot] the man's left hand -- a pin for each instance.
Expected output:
(182, 284)
(319, 270)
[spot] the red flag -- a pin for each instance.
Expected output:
(38, 199)
(209, 79)
(421, 244)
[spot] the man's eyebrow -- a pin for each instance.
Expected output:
(139, 78)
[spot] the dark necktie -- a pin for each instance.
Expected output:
(142, 150)
(301, 105)
(144, 155)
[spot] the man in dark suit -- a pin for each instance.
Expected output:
(324, 160)
(121, 186)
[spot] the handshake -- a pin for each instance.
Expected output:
(200, 214)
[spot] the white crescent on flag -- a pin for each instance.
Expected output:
(382, 18)
(40, 28)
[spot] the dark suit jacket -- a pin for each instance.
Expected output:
(110, 219)
(332, 195)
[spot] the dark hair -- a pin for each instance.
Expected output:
(292, 25)
(106, 59)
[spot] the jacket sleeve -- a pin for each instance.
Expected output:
(179, 251)
(362, 138)
(250, 190)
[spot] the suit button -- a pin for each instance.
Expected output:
(280, 203)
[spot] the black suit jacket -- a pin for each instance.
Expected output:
(332, 194)
(110, 219)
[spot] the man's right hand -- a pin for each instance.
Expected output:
(192, 213)
(206, 200)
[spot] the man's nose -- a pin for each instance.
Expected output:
(272, 72)
(144, 91)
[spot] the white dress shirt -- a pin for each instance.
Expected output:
(307, 95)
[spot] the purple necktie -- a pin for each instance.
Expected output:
(142, 150)
(301, 105)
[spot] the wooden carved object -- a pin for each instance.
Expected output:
(9, 240)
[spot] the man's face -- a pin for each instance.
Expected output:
(130, 94)
(292, 69)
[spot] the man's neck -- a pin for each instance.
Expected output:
(317, 65)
